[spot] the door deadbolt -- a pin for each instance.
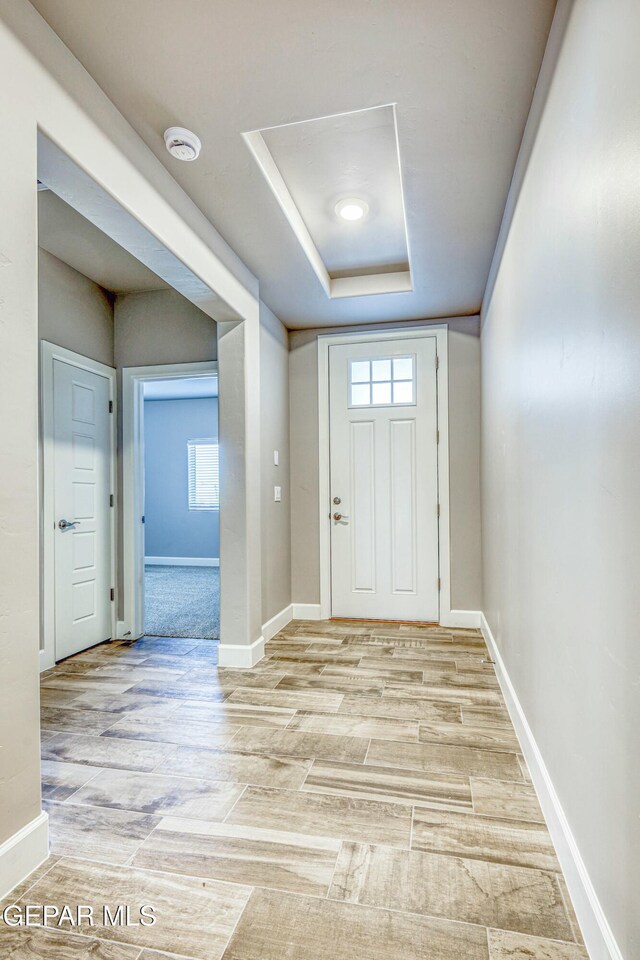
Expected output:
(337, 500)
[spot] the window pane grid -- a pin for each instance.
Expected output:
(204, 474)
(387, 381)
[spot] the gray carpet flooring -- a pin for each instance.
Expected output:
(182, 601)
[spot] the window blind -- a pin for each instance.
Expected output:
(204, 475)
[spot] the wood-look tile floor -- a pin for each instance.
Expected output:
(359, 793)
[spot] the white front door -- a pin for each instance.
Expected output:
(384, 479)
(82, 489)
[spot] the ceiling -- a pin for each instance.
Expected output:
(460, 72)
(65, 233)
(192, 388)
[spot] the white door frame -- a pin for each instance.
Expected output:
(133, 379)
(49, 352)
(440, 332)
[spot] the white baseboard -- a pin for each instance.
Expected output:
(122, 630)
(240, 654)
(183, 561)
(307, 611)
(273, 626)
(471, 619)
(46, 660)
(597, 933)
(23, 852)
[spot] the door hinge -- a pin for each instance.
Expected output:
(110, 406)
(437, 362)
(438, 509)
(112, 594)
(110, 499)
(142, 519)
(437, 436)
(439, 583)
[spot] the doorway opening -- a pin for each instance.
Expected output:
(98, 307)
(181, 529)
(171, 501)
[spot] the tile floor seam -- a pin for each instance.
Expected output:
(489, 951)
(333, 872)
(240, 915)
(229, 812)
(99, 770)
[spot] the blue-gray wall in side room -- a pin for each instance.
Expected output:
(171, 529)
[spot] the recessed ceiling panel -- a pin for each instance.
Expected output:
(313, 167)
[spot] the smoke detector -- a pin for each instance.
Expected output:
(182, 143)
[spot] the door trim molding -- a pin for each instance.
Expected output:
(133, 558)
(48, 353)
(182, 561)
(440, 332)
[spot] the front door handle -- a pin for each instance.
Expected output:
(66, 524)
(340, 516)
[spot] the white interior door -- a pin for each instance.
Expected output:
(384, 479)
(82, 489)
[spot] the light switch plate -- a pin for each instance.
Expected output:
(277, 494)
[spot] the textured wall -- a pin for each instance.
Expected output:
(73, 311)
(274, 426)
(561, 445)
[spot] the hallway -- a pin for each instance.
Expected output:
(358, 793)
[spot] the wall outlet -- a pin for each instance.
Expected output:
(276, 458)
(277, 494)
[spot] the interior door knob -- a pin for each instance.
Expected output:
(340, 516)
(66, 524)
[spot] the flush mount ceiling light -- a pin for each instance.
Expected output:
(351, 209)
(182, 143)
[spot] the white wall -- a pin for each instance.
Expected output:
(73, 311)
(464, 454)
(276, 517)
(561, 445)
(161, 326)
